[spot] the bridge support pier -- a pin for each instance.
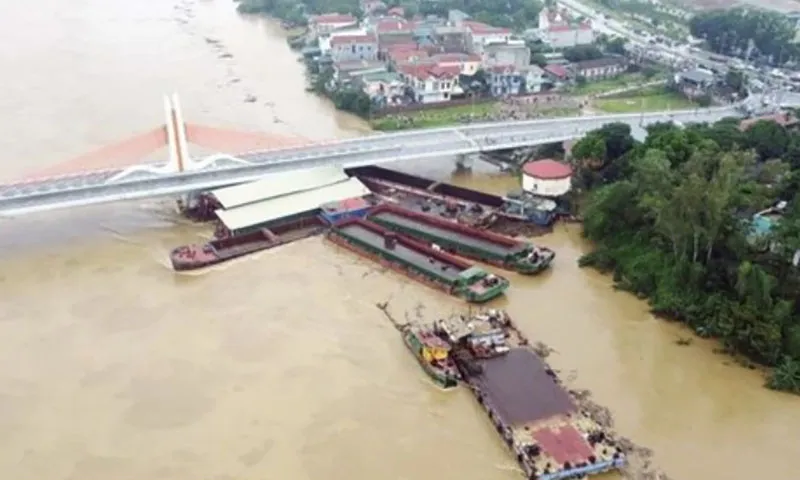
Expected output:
(465, 162)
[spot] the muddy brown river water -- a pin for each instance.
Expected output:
(279, 366)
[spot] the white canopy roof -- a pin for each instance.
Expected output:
(275, 208)
(277, 184)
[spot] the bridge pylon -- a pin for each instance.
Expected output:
(179, 158)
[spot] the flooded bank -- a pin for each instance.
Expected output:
(280, 365)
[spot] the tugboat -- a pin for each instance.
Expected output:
(538, 259)
(433, 355)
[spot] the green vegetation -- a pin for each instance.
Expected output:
(649, 99)
(730, 32)
(616, 83)
(516, 14)
(446, 116)
(671, 218)
(295, 12)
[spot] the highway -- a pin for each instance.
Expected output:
(145, 181)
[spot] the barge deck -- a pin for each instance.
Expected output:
(417, 260)
(443, 267)
(504, 252)
(539, 421)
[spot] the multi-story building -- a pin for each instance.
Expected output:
(393, 31)
(482, 34)
(430, 83)
(468, 63)
(452, 39)
(559, 30)
(509, 52)
(507, 80)
(354, 47)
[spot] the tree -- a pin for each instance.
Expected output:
(769, 139)
(616, 46)
(582, 53)
(670, 218)
(539, 59)
(731, 32)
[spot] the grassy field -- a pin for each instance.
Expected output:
(647, 100)
(443, 117)
(602, 86)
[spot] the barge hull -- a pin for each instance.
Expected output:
(405, 252)
(466, 240)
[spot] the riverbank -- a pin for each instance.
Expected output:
(686, 242)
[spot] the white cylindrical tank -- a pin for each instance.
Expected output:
(547, 178)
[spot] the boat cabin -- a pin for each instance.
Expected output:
(431, 347)
(471, 276)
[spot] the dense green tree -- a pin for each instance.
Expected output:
(670, 218)
(582, 52)
(735, 31)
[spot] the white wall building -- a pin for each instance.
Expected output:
(546, 178)
(431, 83)
(354, 47)
(559, 30)
(483, 34)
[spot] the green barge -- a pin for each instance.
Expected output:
(417, 260)
(504, 252)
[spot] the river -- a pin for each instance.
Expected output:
(280, 365)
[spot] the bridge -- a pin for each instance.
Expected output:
(55, 189)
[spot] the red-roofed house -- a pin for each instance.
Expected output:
(398, 56)
(483, 34)
(348, 48)
(430, 83)
(397, 12)
(468, 63)
(557, 72)
(559, 30)
(326, 23)
(393, 31)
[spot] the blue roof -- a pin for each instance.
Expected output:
(762, 225)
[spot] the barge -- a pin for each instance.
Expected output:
(503, 252)
(458, 203)
(417, 260)
(195, 256)
(539, 421)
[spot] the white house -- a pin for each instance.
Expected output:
(469, 64)
(431, 83)
(508, 52)
(483, 34)
(324, 40)
(559, 30)
(354, 47)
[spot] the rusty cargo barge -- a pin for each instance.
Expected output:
(472, 207)
(537, 418)
(465, 241)
(417, 260)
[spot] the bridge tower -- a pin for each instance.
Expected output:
(179, 159)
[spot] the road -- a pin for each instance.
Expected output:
(145, 181)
